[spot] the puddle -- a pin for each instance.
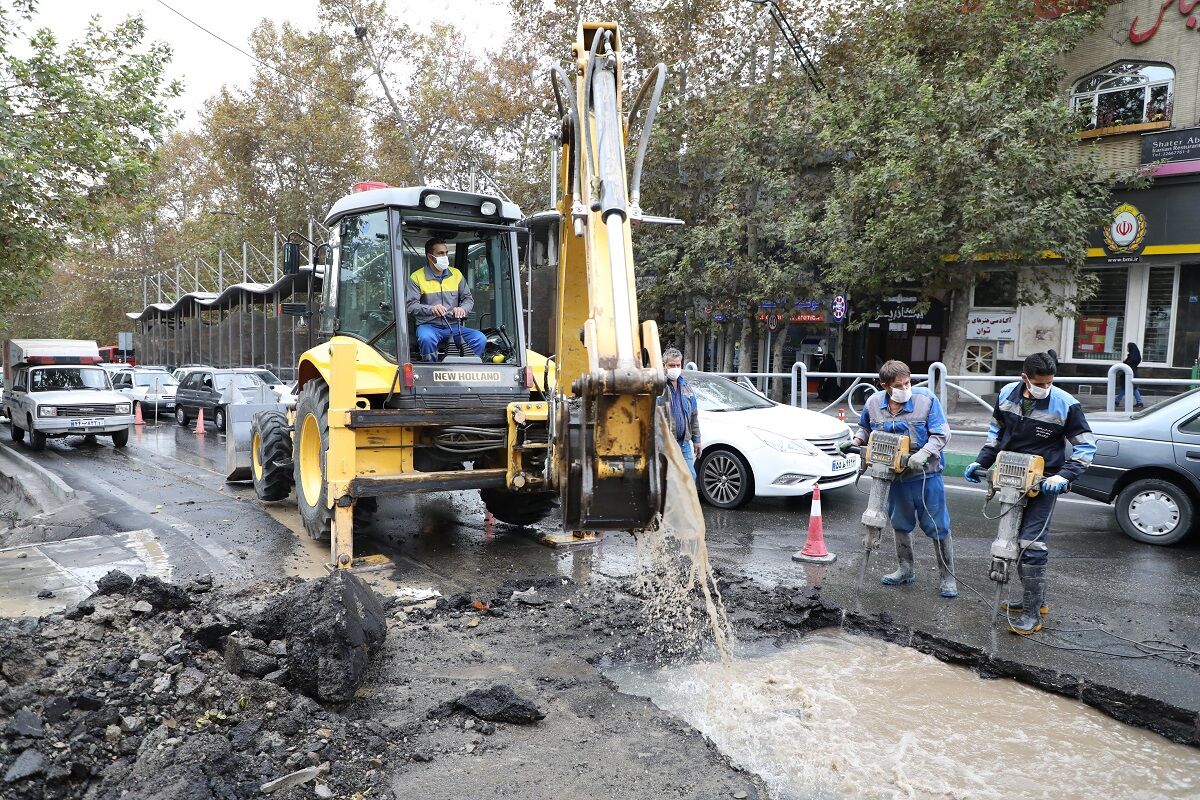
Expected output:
(839, 716)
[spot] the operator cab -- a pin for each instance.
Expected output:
(381, 287)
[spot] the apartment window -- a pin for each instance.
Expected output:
(1126, 93)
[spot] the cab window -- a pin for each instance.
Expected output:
(363, 294)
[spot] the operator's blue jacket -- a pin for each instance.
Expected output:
(1052, 423)
(920, 419)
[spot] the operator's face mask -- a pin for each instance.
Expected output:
(441, 262)
(1037, 392)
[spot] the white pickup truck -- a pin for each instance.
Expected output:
(54, 389)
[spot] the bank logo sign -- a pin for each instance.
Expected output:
(1125, 230)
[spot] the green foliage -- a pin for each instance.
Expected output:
(78, 128)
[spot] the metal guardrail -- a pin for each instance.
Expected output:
(937, 377)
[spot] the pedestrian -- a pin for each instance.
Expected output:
(829, 389)
(918, 495)
(1133, 357)
(1035, 417)
(682, 408)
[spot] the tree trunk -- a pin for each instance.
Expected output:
(745, 357)
(727, 338)
(689, 335)
(779, 385)
(956, 337)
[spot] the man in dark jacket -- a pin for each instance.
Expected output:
(1035, 417)
(682, 408)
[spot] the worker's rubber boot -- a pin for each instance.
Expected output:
(1033, 585)
(944, 550)
(904, 554)
(1019, 605)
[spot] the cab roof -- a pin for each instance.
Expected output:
(410, 197)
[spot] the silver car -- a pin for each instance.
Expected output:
(1148, 466)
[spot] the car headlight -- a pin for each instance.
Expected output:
(123, 408)
(47, 411)
(784, 444)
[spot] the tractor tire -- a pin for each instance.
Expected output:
(271, 455)
(312, 440)
(518, 509)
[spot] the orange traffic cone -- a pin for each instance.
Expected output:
(814, 550)
(200, 423)
(137, 414)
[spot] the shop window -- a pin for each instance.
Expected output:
(1100, 324)
(1160, 295)
(996, 290)
(1126, 93)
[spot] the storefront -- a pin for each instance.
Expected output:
(903, 332)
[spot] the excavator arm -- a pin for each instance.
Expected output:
(604, 461)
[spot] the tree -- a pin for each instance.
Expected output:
(78, 128)
(956, 152)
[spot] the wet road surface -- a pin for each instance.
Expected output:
(171, 482)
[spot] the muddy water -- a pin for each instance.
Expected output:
(673, 566)
(840, 716)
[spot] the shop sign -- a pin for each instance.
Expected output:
(992, 325)
(1185, 7)
(809, 317)
(1096, 334)
(1179, 149)
(1125, 232)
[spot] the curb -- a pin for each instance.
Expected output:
(36, 480)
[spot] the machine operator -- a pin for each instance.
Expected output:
(439, 299)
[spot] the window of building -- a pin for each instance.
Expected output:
(1160, 296)
(996, 290)
(1126, 93)
(1100, 324)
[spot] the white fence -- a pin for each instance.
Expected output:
(937, 378)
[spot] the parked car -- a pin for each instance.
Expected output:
(281, 389)
(180, 372)
(50, 402)
(1148, 466)
(214, 390)
(754, 447)
(153, 389)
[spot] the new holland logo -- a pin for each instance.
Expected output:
(465, 376)
(1125, 230)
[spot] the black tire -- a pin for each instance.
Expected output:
(271, 455)
(120, 438)
(1155, 511)
(313, 402)
(90, 438)
(219, 419)
(518, 509)
(181, 416)
(17, 432)
(725, 478)
(37, 439)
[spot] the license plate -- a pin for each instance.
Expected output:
(86, 423)
(840, 464)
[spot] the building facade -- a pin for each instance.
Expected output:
(1135, 82)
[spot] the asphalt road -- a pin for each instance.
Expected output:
(171, 482)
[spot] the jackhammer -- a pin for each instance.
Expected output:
(1016, 477)
(885, 459)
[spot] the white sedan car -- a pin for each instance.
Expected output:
(754, 447)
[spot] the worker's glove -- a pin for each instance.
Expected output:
(918, 460)
(1055, 484)
(970, 473)
(846, 446)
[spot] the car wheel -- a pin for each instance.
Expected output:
(120, 438)
(17, 432)
(37, 439)
(725, 479)
(1155, 511)
(219, 419)
(181, 416)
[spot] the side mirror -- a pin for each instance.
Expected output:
(291, 258)
(324, 255)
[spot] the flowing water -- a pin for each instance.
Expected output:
(673, 567)
(842, 716)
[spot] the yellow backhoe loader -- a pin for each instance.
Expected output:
(423, 379)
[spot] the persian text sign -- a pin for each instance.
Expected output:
(993, 325)
(1185, 10)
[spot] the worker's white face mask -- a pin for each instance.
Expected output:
(441, 262)
(901, 395)
(673, 373)
(1038, 392)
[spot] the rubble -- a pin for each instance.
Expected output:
(500, 704)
